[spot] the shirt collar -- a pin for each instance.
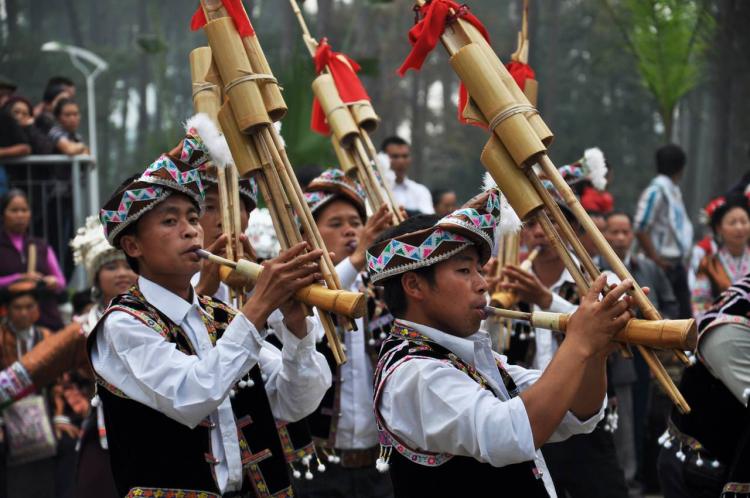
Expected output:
(464, 347)
(475, 350)
(173, 306)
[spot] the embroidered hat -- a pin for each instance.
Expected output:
(333, 184)
(592, 167)
(473, 224)
(175, 172)
(91, 249)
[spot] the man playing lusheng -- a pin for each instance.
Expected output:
(454, 417)
(189, 387)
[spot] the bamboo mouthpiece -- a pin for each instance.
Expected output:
(243, 273)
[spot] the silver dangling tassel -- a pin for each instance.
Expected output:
(295, 473)
(663, 438)
(381, 464)
(680, 454)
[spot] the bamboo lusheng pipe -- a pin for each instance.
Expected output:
(508, 299)
(501, 110)
(351, 125)
(275, 177)
(61, 352)
(206, 89)
(242, 273)
(660, 334)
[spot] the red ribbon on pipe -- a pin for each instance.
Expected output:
(235, 10)
(520, 72)
(344, 71)
(425, 35)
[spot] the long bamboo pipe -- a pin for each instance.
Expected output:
(361, 149)
(457, 37)
(661, 334)
(242, 273)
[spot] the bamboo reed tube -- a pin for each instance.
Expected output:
(206, 90)
(497, 104)
(660, 334)
(364, 115)
(245, 156)
(339, 118)
(236, 74)
(344, 156)
(244, 272)
(226, 217)
(281, 195)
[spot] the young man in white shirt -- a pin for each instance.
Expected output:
(455, 418)
(412, 196)
(343, 426)
(185, 375)
(550, 287)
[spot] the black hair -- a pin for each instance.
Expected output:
(393, 291)
(734, 201)
(670, 160)
(361, 210)
(438, 194)
(307, 173)
(51, 92)
(612, 214)
(80, 300)
(9, 196)
(392, 140)
(60, 81)
(61, 105)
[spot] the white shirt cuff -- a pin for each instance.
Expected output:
(243, 332)
(347, 273)
(560, 305)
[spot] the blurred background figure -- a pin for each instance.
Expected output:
(444, 201)
(413, 196)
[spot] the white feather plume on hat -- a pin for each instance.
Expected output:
(593, 161)
(509, 220)
(212, 138)
(91, 249)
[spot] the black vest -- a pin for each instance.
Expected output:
(718, 421)
(418, 473)
(150, 451)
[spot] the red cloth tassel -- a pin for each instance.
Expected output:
(235, 10)
(425, 35)
(344, 71)
(520, 72)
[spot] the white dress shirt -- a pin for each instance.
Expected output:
(546, 344)
(148, 369)
(412, 196)
(432, 406)
(356, 428)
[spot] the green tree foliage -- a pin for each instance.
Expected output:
(668, 39)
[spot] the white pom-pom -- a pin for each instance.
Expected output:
(321, 468)
(336, 459)
(308, 475)
(331, 458)
(668, 444)
(680, 455)
(214, 141)
(371, 342)
(242, 384)
(381, 465)
(277, 125)
(264, 377)
(232, 393)
(297, 474)
(663, 438)
(306, 459)
(509, 220)
(96, 401)
(597, 167)
(383, 335)
(699, 461)
(250, 383)
(715, 464)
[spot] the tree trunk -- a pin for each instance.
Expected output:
(418, 110)
(75, 25)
